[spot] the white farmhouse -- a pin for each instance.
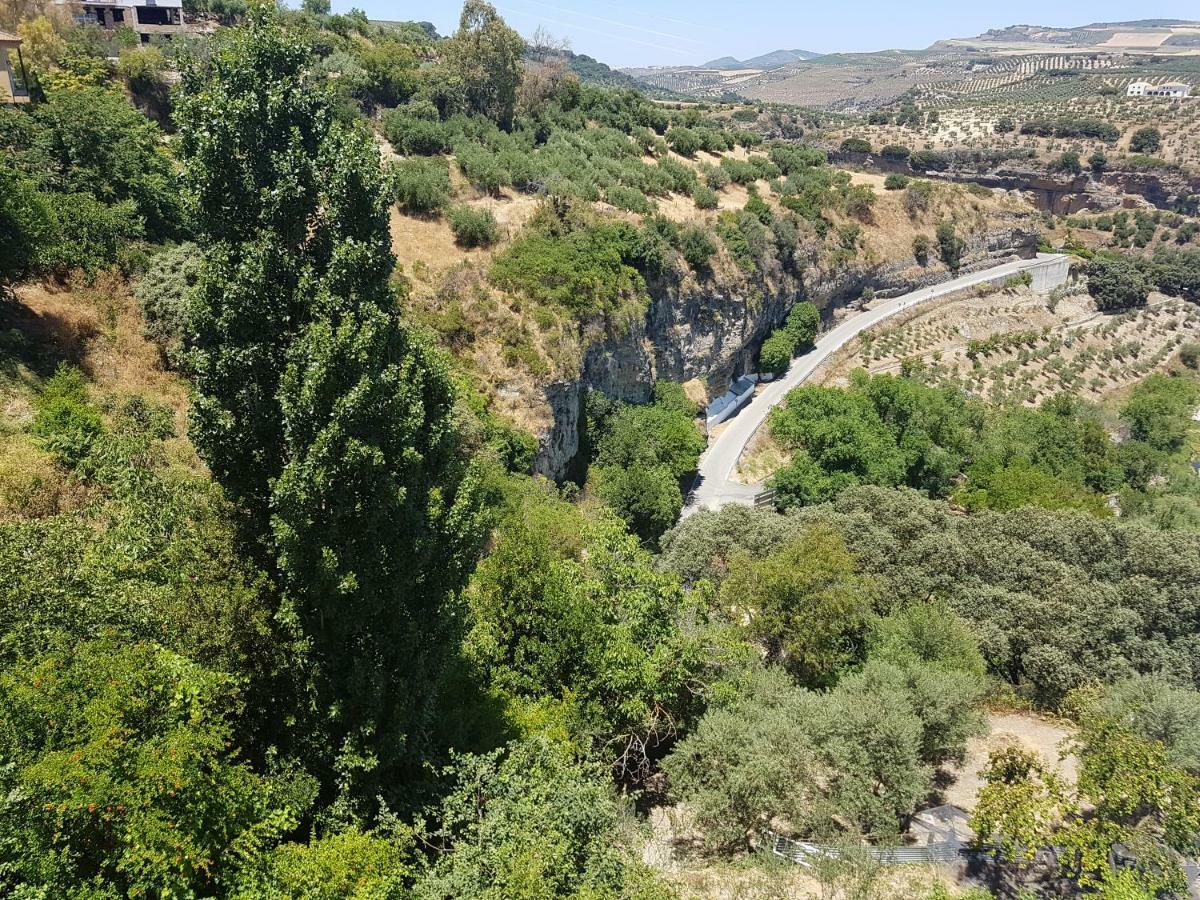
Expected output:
(1174, 89)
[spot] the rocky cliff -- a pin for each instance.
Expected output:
(714, 334)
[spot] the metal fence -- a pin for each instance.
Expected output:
(805, 853)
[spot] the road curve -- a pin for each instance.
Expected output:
(714, 486)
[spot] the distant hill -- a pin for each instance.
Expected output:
(592, 71)
(772, 60)
(1141, 34)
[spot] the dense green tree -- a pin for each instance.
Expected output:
(483, 61)
(121, 776)
(1159, 411)
(27, 222)
(92, 141)
(529, 823)
(1154, 708)
(1056, 599)
(950, 246)
(805, 603)
(317, 409)
(882, 430)
(572, 624)
(1116, 283)
(1145, 140)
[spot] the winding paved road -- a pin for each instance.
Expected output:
(714, 486)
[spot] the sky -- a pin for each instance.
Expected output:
(689, 32)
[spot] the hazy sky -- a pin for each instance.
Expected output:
(683, 32)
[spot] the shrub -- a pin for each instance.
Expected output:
(421, 185)
(856, 145)
(1098, 162)
(684, 141)
(918, 197)
(929, 160)
(481, 167)
(65, 421)
(950, 246)
(896, 182)
(1068, 161)
(698, 248)
(921, 246)
(1189, 355)
(776, 353)
(413, 135)
(629, 198)
(1116, 283)
(588, 271)
(1146, 140)
(859, 200)
(895, 152)
(473, 227)
(163, 295)
(704, 197)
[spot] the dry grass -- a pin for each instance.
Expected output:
(97, 327)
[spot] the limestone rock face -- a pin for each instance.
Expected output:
(714, 335)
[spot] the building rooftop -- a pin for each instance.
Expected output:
(7, 36)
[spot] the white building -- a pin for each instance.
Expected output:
(1175, 89)
(146, 17)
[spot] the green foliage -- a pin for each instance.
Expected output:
(1068, 162)
(582, 637)
(918, 196)
(121, 773)
(1019, 805)
(1146, 140)
(1067, 127)
(339, 439)
(92, 141)
(1116, 283)
(806, 606)
(1153, 708)
(421, 185)
(850, 760)
(530, 823)
(588, 271)
(164, 293)
(473, 227)
(1032, 583)
(921, 245)
(483, 63)
(928, 160)
(412, 133)
(354, 864)
(882, 430)
(776, 353)
(1159, 411)
(66, 422)
(856, 145)
(896, 182)
(950, 245)
(27, 221)
(641, 454)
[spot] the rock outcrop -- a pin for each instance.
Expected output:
(714, 335)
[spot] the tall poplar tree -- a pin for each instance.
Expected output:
(318, 410)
